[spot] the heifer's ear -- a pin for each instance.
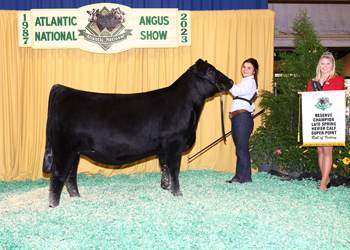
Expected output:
(198, 65)
(200, 61)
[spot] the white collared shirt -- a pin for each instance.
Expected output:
(245, 89)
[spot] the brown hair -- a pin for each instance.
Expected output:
(255, 64)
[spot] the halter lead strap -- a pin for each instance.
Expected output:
(221, 100)
(222, 116)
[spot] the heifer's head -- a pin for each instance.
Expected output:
(216, 80)
(92, 15)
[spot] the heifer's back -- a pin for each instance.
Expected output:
(116, 129)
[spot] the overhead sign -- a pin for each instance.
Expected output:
(323, 118)
(104, 28)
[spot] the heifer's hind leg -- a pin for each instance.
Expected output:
(71, 182)
(165, 184)
(61, 168)
(56, 185)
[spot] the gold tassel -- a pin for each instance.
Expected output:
(346, 94)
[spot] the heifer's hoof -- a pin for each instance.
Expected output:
(74, 194)
(165, 187)
(53, 202)
(53, 205)
(177, 193)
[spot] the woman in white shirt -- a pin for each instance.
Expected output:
(242, 109)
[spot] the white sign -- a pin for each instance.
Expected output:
(104, 28)
(323, 114)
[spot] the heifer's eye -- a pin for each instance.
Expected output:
(210, 71)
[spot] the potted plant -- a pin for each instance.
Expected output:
(341, 154)
(264, 150)
(341, 160)
(295, 159)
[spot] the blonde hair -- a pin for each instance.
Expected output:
(330, 57)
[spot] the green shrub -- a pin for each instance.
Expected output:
(281, 120)
(263, 147)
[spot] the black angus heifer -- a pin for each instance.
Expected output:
(116, 129)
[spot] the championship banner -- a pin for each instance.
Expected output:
(104, 28)
(323, 116)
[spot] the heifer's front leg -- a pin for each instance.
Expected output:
(173, 161)
(71, 182)
(165, 184)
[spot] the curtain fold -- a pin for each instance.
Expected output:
(224, 38)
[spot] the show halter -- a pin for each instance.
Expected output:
(221, 101)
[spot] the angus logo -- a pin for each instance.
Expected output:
(323, 103)
(105, 27)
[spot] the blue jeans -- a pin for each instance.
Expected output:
(242, 126)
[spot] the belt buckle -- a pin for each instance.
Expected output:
(230, 115)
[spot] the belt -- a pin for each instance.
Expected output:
(232, 114)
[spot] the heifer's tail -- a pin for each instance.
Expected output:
(48, 157)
